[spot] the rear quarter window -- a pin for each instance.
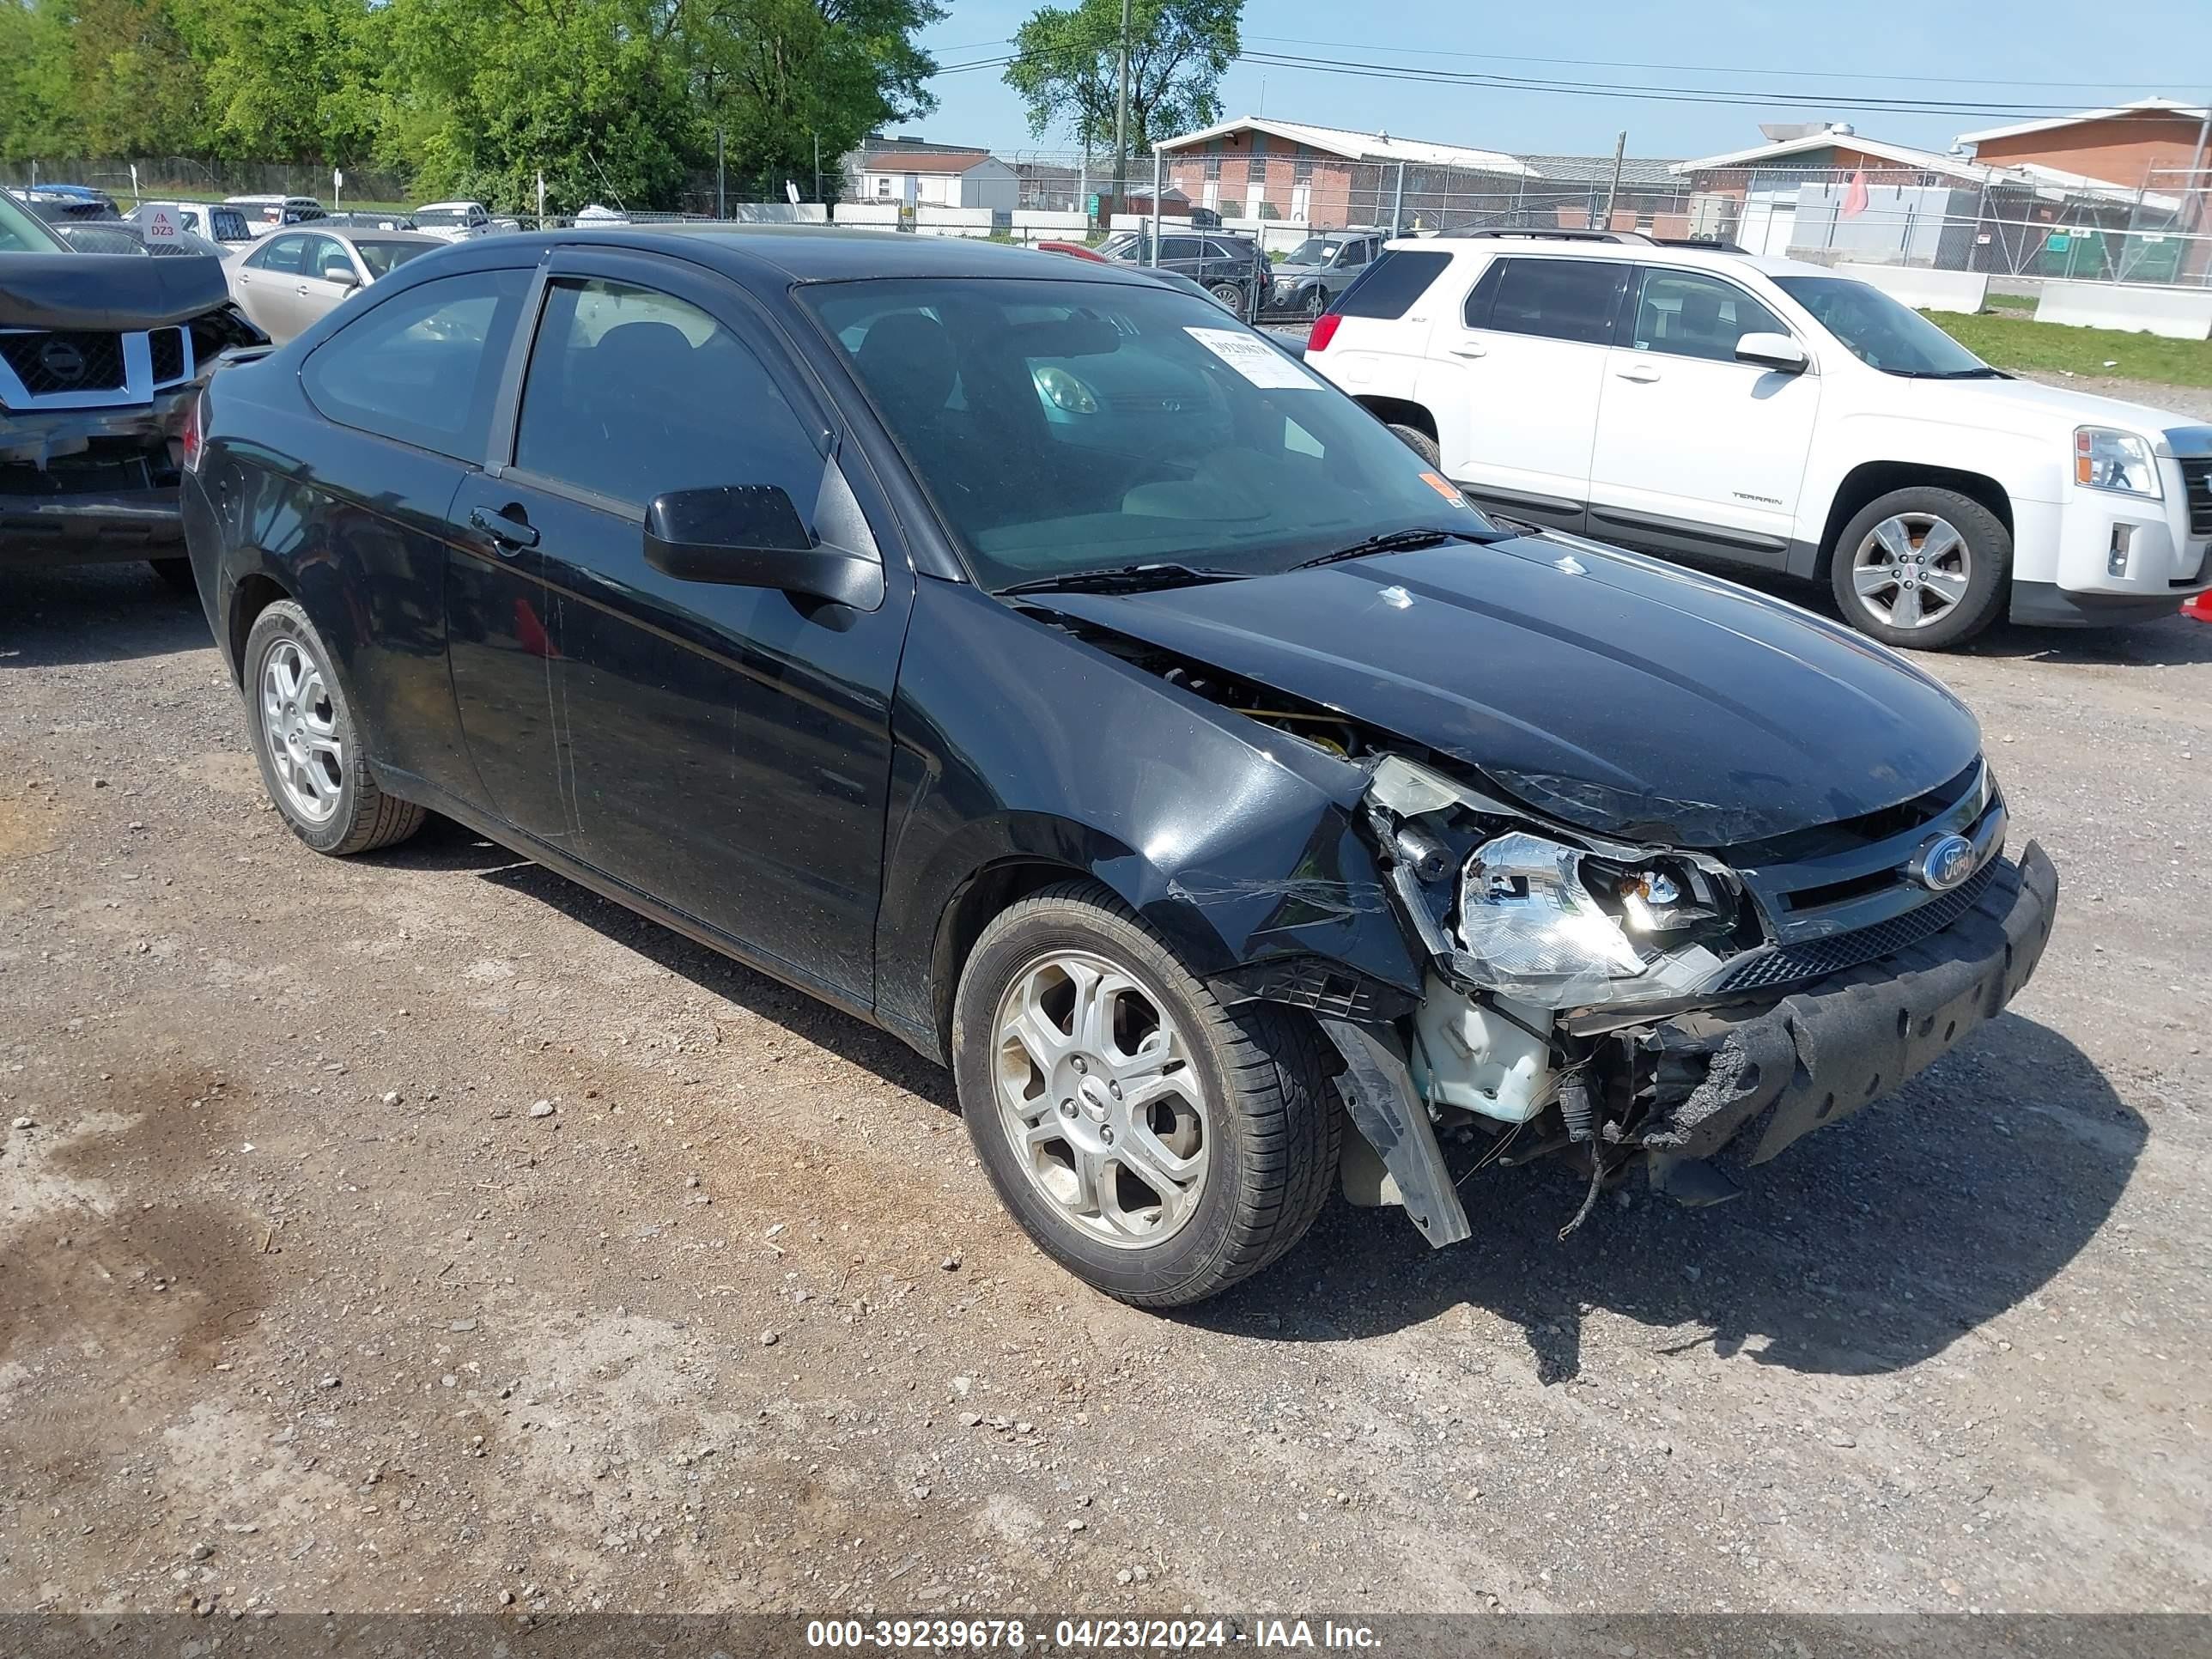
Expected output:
(1387, 288)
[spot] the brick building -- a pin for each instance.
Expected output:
(1255, 167)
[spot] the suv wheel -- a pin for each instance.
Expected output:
(1158, 1145)
(177, 573)
(1922, 568)
(1420, 442)
(1228, 295)
(1316, 300)
(308, 746)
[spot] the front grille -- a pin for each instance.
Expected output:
(102, 468)
(74, 361)
(168, 348)
(1817, 958)
(2196, 485)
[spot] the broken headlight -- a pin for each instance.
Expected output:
(1554, 926)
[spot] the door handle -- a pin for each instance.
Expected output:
(507, 534)
(1470, 350)
(1642, 373)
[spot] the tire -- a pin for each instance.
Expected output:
(1314, 301)
(177, 573)
(1250, 1107)
(308, 746)
(1880, 550)
(1228, 295)
(1420, 442)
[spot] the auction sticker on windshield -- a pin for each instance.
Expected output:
(1254, 358)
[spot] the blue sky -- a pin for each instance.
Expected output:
(1955, 54)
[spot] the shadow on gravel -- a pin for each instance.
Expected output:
(1865, 1248)
(95, 613)
(840, 1033)
(2172, 641)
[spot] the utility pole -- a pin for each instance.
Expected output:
(1121, 125)
(721, 192)
(1619, 149)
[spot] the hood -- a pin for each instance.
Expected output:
(2033, 409)
(108, 291)
(1609, 691)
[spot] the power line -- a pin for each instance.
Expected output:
(1707, 68)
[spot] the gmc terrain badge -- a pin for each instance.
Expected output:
(1943, 864)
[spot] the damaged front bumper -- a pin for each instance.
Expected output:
(1739, 1081)
(82, 485)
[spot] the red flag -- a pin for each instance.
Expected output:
(1855, 198)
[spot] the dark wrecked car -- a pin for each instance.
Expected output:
(102, 352)
(1022, 656)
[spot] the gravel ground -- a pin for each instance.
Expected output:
(421, 1231)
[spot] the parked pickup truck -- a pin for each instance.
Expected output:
(100, 354)
(1769, 415)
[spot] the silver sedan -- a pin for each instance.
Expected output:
(296, 276)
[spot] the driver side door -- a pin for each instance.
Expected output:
(723, 751)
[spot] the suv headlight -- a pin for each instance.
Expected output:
(1558, 927)
(2106, 458)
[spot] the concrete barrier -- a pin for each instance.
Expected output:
(1923, 289)
(2178, 313)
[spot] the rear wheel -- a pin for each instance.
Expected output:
(1922, 568)
(1228, 295)
(1158, 1145)
(309, 749)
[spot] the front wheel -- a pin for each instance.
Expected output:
(1923, 568)
(1159, 1145)
(1420, 442)
(308, 745)
(1315, 301)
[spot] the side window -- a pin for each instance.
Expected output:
(1555, 299)
(1686, 313)
(422, 367)
(632, 393)
(1355, 253)
(1179, 247)
(280, 254)
(327, 259)
(1387, 288)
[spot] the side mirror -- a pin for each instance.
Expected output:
(1776, 351)
(751, 536)
(341, 276)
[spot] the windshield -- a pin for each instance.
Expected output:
(1071, 426)
(1311, 251)
(381, 257)
(21, 231)
(1882, 332)
(440, 215)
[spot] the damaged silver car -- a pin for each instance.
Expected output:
(1022, 656)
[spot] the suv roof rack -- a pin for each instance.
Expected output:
(1538, 233)
(1708, 244)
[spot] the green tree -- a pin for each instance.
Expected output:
(134, 86)
(37, 46)
(1067, 67)
(290, 80)
(788, 80)
(482, 95)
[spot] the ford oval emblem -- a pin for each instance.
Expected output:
(1943, 863)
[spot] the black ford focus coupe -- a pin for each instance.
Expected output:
(1024, 657)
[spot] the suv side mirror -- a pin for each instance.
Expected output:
(1776, 351)
(751, 536)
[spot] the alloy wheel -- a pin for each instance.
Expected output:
(1911, 570)
(1099, 1099)
(299, 724)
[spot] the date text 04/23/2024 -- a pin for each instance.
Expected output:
(1086, 1635)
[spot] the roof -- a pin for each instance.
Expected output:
(2138, 107)
(1535, 245)
(1640, 173)
(803, 253)
(1926, 161)
(1357, 146)
(894, 160)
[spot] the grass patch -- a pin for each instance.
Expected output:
(2012, 302)
(2021, 343)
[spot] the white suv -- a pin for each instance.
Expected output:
(1759, 412)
